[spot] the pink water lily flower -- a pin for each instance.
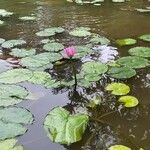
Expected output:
(70, 51)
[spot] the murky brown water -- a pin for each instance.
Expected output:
(130, 127)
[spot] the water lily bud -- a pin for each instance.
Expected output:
(70, 51)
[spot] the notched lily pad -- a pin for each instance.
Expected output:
(12, 43)
(118, 88)
(64, 128)
(129, 101)
(145, 37)
(22, 52)
(12, 121)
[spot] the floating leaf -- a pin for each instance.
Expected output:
(12, 121)
(28, 18)
(127, 41)
(142, 10)
(121, 72)
(42, 78)
(133, 62)
(12, 94)
(118, 88)
(118, 147)
(129, 101)
(22, 52)
(80, 32)
(97, 39)
(53, 47)
(94, 68)
(140, 51)
(15, 76)
(5, 13)
(1, 22)
(50, 31)
(145, 37)
(10, 145)
(64, 128)
(13, 43)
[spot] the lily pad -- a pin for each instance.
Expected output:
(64, 128)
(42, 78)
(15, 76)
(53, 47)
(145, 37)
(10, 145)
(94, 68)
(12, 94)
(50, 31)
(80, 32)
(13, 43)
(97, 39)
(140, 51)
(5, 13)
(119, 147)
(127, 41)
(28, 18)
(1, 22)
(118, 88)
(22, 52)
(133, 62)
(12, 121)
(129, 101)
(121, 72)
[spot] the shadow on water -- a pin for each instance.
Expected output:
(129, 127)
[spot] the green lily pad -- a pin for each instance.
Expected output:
(22, 52)
(11, 94)
(50, 31)
(94, 68)
(1, 22)
(119, 147)
(97, 39)
(27, 18)
(15, 76)
(145, 37)
(12, 121)
(133, 62)
(127, 41)
(129, 101)
(5, 13)
(42, 78)
(82, 51)
(80, 32)
(118, 88)
(13, 43)
(53, 47)
(140, 51)
(64, 128)
(121, 72)
(10, 145)
(142, 10)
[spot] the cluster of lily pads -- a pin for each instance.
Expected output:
(5, 13)
(33, 65)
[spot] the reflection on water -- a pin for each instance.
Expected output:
(129, 127)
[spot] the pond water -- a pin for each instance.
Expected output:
(130, 127)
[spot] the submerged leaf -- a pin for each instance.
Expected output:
(129, 101)
(118, 88)
(64, 128)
